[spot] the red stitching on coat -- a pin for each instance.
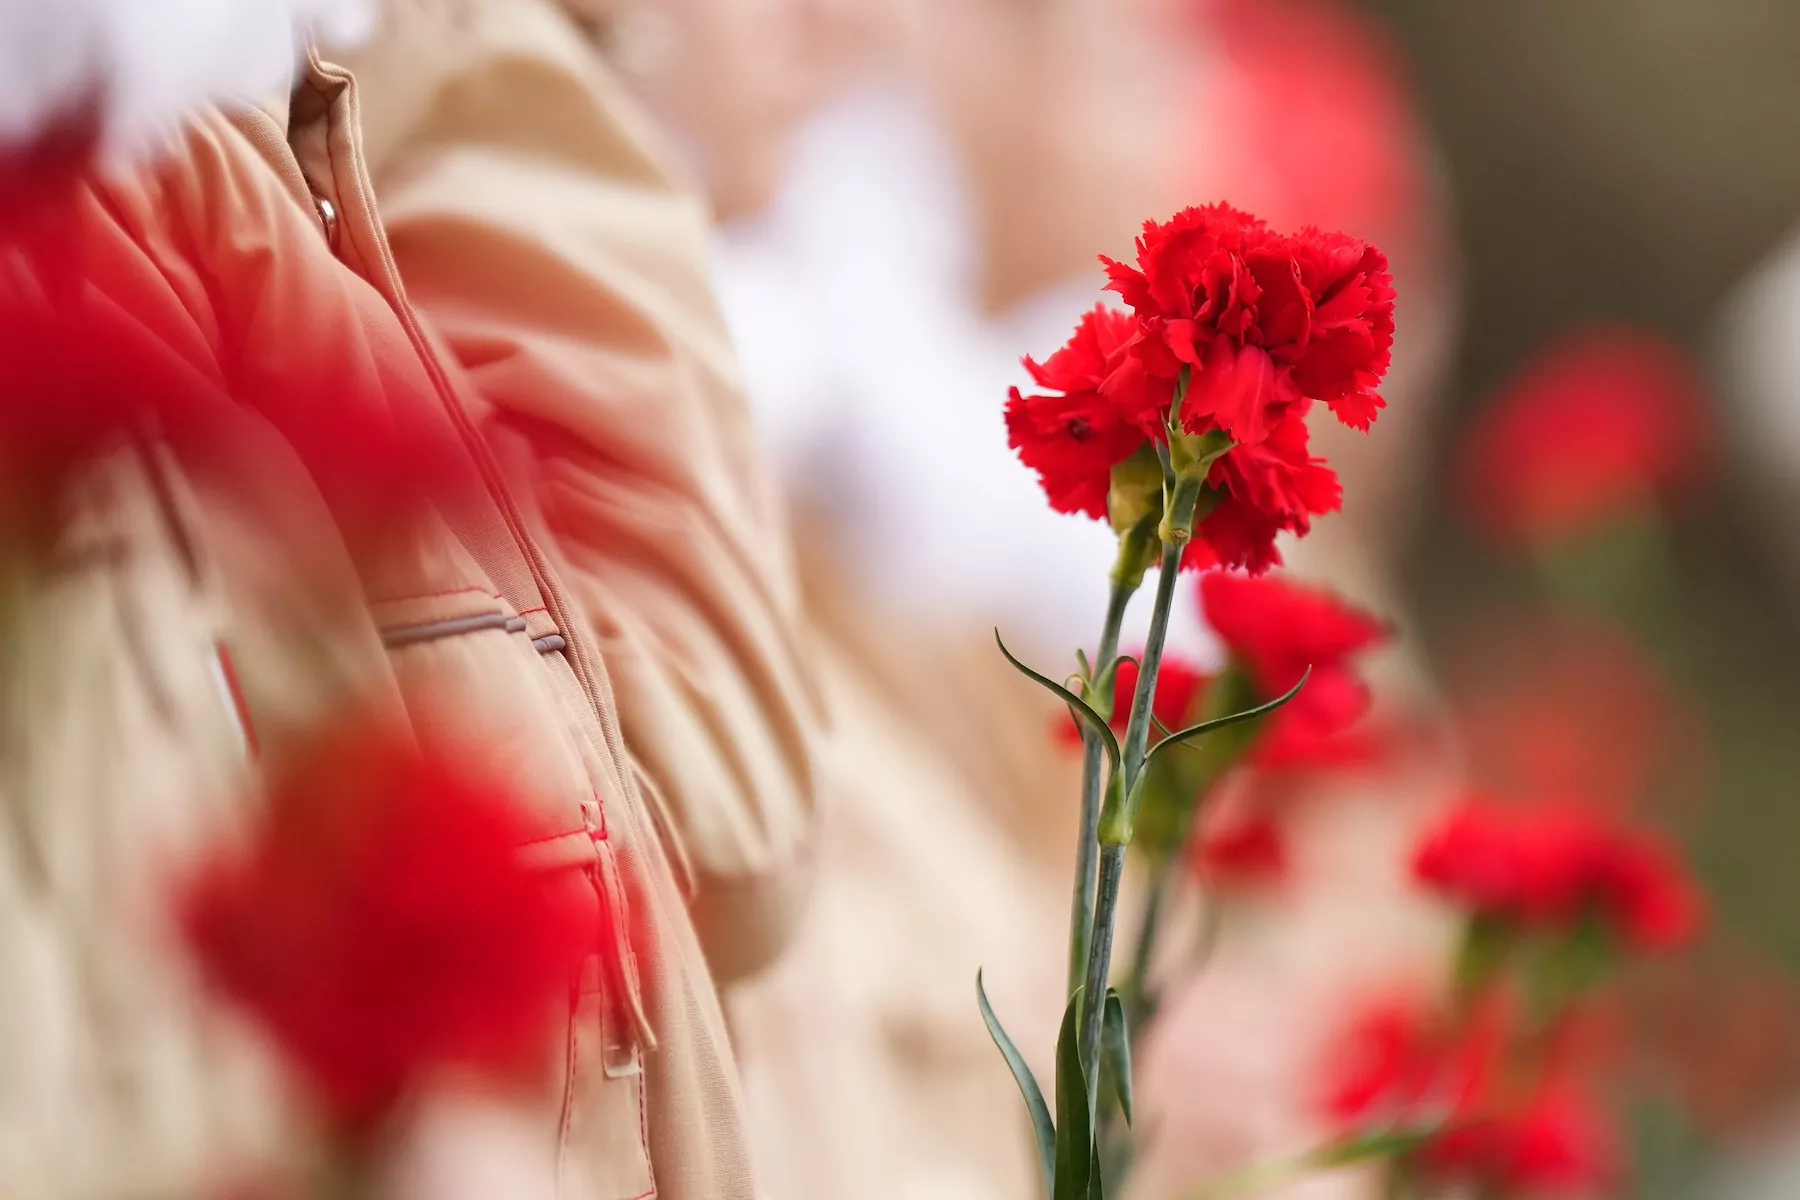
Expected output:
(525, 612)
(235, 687)
(644, 1127)
(438, 595)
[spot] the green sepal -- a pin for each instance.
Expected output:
(1487, 945)
(1075, 1176)
(1191, 455)
(1134, 496)
(1115, 1051)
(1081, 709)
(1041, 1126)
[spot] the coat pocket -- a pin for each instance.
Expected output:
(468, 671)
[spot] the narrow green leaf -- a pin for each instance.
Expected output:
(1267, 1176)
(1041, 1126)
(1083, 713)
(1236, 718)
(1115, 1047)
(1074, 1112)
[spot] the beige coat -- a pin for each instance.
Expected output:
(634, 661)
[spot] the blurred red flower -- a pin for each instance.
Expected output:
(1557, 1142)
(1597, 426)
(1245, 850)
(1553, 865)
(1399, 1063)
(381, 922)
(1488, 1119)
(1264, 324)
(92, 360)
(1275, 629)
(1571, 708)
(1312, 114)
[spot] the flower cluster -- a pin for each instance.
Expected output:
(1484, 1123)
(382, 923)
(1552, 866)
(1234, 332)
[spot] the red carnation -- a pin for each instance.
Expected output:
(1275, 629)
(1075, 436)
(382, 923)
(1260, 320)
(1263, 324)
(1552, 865)
(1275, 487)
(1595, 428)
(1556, 1142)
(1402, 1066)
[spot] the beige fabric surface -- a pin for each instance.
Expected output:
(121, 752)
(543, 234)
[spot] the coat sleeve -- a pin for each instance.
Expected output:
(546, 242)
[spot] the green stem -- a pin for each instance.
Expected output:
(1137, 739)
(1087, 848)
(1140, 1005)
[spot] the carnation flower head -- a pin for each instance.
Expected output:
(1404, 1065)
(1275, 629)
(381, 923)
(1261, 326)
(1595, 428)
(1552, 865)
(1261, 320)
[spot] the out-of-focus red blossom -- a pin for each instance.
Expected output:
(382, 922)
(1554, 864)
(1241, 852)
(1401, 1063)
(1275, 629)
(84, 369)
(1310, 113)
(1265, 324)
(1597, 426)
(1557, 1142)
(1074, 436)
(38, 178)
(1178, 684)
(1572, 708)
(1404, 1066)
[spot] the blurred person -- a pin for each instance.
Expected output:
(599, 594)
(1759, 364)
(938, 216)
